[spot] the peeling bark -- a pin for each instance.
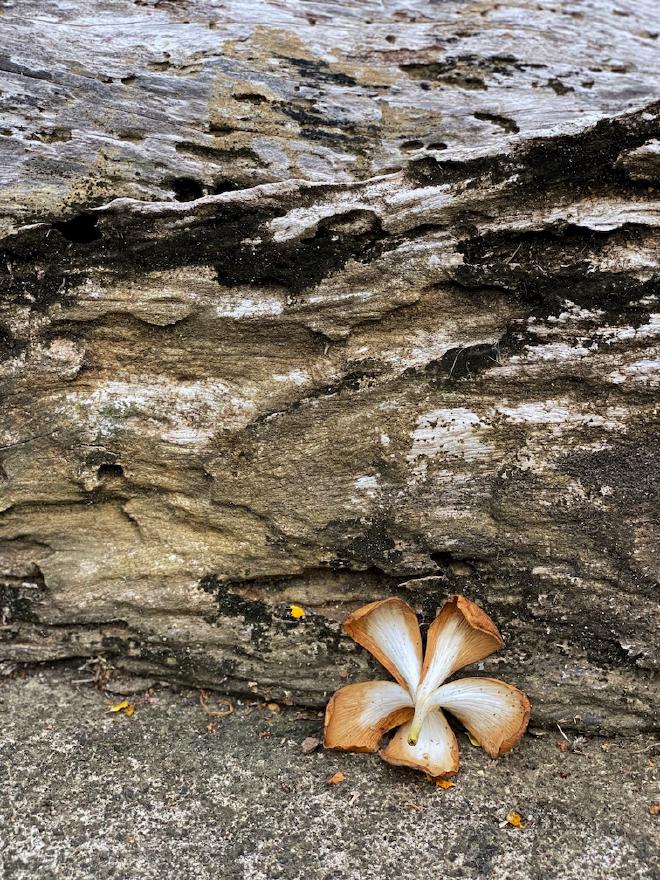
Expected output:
(313, 305)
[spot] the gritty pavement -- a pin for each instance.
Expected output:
(173, 791)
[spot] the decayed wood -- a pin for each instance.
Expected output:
(315, 305)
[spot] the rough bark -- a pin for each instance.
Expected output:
(314, 304)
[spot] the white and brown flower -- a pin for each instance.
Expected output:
(496, 714)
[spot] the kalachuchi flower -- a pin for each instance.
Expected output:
(358, 715)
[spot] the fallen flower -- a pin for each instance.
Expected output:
(358, 715)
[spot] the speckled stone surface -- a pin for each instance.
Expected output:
(88, 794)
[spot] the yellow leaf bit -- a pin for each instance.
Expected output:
(119, 706)
(515, 819)
(445, 783)
(475, 742)
(124, 707)
(297, 612)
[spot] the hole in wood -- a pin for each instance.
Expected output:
(110, 471)
(187, 189)
(81, 229)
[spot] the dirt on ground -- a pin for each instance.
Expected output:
(171, 785)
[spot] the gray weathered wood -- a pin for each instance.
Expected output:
(315, 303)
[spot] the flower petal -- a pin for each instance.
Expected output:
(494, 712)
(389, 630)
(358, 715)
(462, 633)
(436, 750)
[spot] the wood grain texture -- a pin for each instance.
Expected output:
(314, 304)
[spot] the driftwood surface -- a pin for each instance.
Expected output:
(314, 303)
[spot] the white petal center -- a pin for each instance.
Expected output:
(388, 631)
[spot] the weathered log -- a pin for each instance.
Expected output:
(314, 305)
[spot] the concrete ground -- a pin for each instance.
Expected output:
(172, 791)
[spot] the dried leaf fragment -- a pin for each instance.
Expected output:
(654, 808)
(515, 819)
(335, 779)
(273, 707)
(445, 783)
(297, 612)
(224, 708)
(310, 744)
(124, 707)
(119, 706)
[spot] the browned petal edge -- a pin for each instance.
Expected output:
(473, 614)
(515, 738)
(415, 765)
(355, 626)
(507, 744)
(477, 617)
(373, 734)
